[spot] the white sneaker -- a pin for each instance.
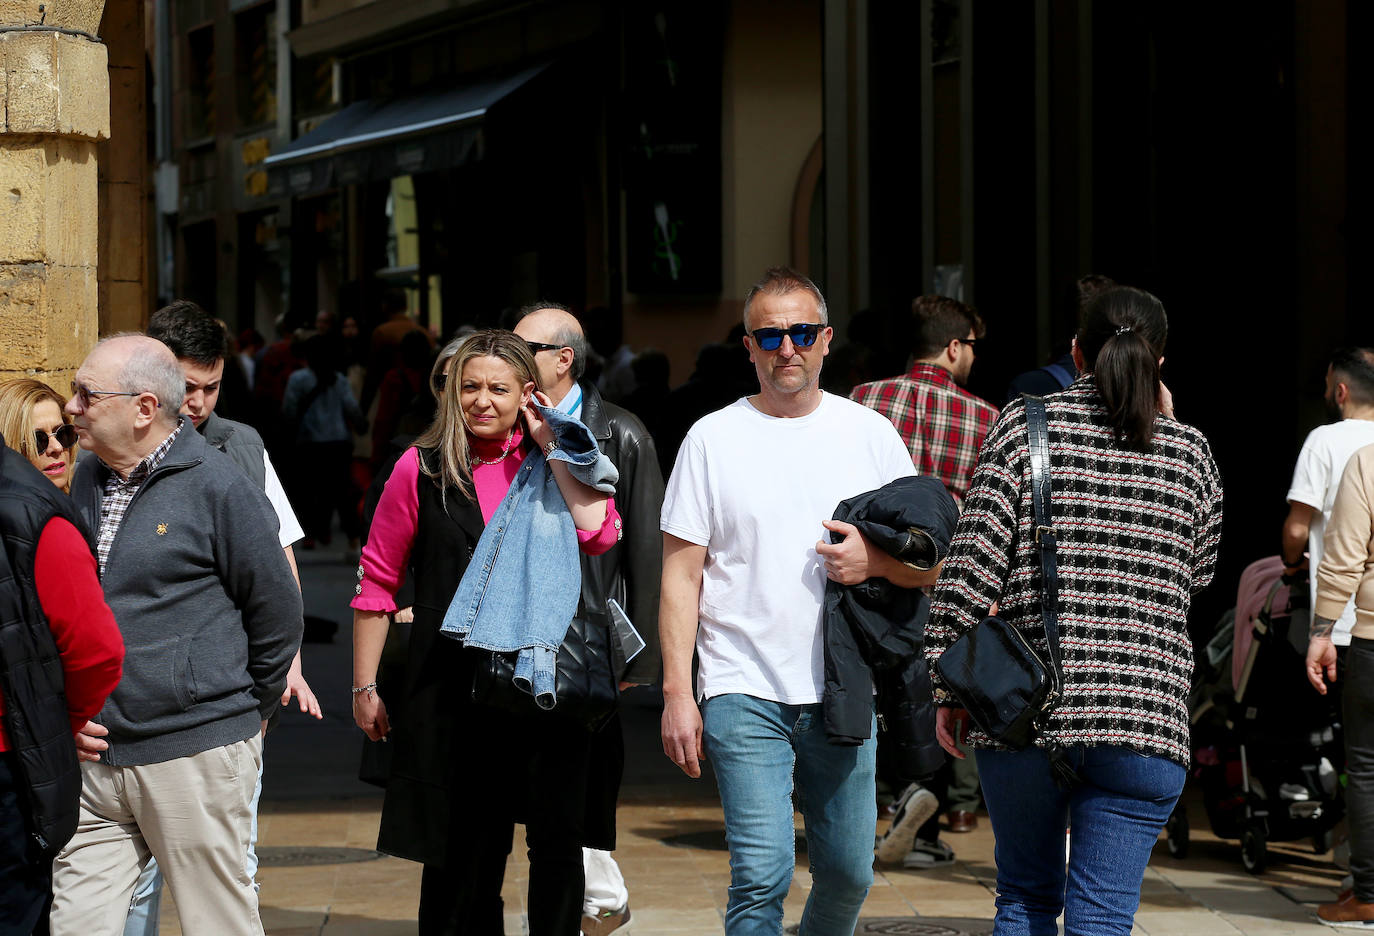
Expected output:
(914, 807)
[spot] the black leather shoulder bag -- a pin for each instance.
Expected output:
(1007, 688)
(584, 683)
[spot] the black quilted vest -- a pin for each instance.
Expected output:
(40, 735)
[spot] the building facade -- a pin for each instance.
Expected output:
(649, 159)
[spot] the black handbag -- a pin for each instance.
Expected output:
(992, 670)
(585, 686)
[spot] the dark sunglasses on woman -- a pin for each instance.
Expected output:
(770, 339)
(65, 436)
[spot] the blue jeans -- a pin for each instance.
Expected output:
(145, 907)
(756, 749)
(1115, 813)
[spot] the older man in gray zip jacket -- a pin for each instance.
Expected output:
(211, 618)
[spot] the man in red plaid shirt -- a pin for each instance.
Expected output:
(942, 423)
(943, 426)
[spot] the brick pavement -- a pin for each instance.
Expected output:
(672, 854)
(671, 842)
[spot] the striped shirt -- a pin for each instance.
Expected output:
(942, 424)
(1137, 536)
(119, 494)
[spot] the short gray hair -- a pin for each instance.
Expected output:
(779, 281)
(151, 368)
(564, 337)
(567, 338)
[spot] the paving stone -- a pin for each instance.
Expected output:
(674, 863)
(1183, 923)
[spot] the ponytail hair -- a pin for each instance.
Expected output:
(1122, 339)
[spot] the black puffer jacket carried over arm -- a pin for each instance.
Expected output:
(875, 630)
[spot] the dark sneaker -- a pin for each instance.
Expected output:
(914, 807)
(925, 854)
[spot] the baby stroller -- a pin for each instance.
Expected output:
(1267, 749)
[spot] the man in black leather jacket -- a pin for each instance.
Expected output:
(629, 572)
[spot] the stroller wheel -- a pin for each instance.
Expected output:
(1254, 852)
(1176, 833)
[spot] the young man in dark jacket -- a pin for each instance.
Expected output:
(211, 618)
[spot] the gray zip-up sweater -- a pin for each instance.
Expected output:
(210, 614)
(240, 442)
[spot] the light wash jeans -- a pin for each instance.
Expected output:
(757, 748)
(145, 908)
(1114, 815)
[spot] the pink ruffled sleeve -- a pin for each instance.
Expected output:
(387, 552)
(596, 542)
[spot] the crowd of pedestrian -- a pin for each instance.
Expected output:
(807, 588)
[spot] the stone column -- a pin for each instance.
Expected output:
(54, 110)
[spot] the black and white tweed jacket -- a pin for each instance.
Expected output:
(1137, 537)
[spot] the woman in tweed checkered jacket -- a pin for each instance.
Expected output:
(1137, 513)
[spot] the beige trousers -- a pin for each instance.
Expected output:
(193, 814)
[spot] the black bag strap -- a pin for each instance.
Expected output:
(1038, 430)
(309, 399)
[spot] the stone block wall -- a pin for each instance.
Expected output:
(54, 111)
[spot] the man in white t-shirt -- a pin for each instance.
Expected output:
(1317, 477)
(744, 571)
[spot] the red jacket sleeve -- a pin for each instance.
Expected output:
(83, 626)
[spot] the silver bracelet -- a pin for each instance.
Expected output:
(370, 689)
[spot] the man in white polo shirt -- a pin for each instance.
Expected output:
(1317, 476)
(744, 573)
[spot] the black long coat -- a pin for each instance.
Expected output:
(452, 759)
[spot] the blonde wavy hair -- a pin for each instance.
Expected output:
(448, 433)
(17, 399)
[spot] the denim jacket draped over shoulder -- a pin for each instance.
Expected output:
(521, 587)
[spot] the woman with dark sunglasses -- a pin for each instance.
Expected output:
(33, 422)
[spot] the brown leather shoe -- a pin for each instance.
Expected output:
(961, 820)
(1348, 912)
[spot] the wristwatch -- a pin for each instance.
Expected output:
(548, 449)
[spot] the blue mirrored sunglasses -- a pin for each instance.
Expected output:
(770, 339)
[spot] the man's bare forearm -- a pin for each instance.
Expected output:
(677, 634)
(679, 604)
(1296, 527)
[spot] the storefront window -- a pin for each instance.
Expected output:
(200, 83)
(403, 268)
(255, 44)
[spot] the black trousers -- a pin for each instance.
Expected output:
(25, 885)
(464, 897)
(1357, 709)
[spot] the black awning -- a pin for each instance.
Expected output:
(372, 140)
